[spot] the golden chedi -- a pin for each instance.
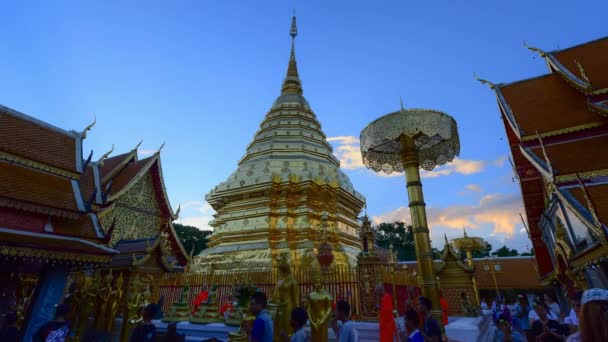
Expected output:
(319, 308)
(274, 201)
(286, 297)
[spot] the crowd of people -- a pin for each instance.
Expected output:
(544, 320)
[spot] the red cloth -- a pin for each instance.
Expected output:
(226, 306)
(200, 298)
(444, 310)
(388, 329)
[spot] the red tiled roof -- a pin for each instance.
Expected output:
(576, 156)
(515, 273)
(36, 187)
(18, 219)
(36, 142)
(50, 241)
(547, 103)
(82, 227)
(593, 58)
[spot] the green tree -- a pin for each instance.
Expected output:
(478, 254)
(504, 251)
(192, 237)
(400, 235)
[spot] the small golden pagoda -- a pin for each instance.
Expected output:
(275, 200)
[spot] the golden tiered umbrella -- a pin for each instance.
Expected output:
(405, 141)
(469, 244)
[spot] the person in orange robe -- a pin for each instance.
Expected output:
(388, 328)
(443, 303)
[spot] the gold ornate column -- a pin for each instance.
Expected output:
(405, 141)
(424, 252)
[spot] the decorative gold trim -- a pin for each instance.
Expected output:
(599, 254)
(564, 130)
(598, 108)
(119, 167)
(38, 166)
(571, 177)
(140, 261)
(21, 252)
(596, 231)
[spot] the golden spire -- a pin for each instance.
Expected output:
(292, 83)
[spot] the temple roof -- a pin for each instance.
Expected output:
(579, 156)
(42, 144)
(112, 165)
(37, 191)
(598, 194)
(547, 104)
(592, 58)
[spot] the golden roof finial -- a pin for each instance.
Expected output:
(482, 81)
(292, 83)
(582, 72)
(401, 100)
(535, 49)
(88, 128)
(545, 155)
(465, 231)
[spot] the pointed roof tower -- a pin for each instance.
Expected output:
(286, 178)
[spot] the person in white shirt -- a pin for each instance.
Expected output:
(553, 306)
(484, 305)
(572, 318)
(346, 332)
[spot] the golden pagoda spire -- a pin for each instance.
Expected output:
(292, 83)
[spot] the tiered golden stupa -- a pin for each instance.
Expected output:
(275, 200)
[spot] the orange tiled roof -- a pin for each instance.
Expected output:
(515, 273)
(598, 195)
(36, 187)
(82, 227)
(127, 174)
(110, 164)
(576, 156)
(36, 142)
(87, 183)
(547, 103)
(593, 58)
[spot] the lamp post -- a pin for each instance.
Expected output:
(492, 265)
(405, 141)
(470, 244)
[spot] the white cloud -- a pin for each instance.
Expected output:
(473, 188)
(347, 150)
(197, 214)
(145, 152)
(499, 212)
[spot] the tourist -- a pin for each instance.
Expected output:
(553, 306)
(57, 329)
(522, 311)
(263, 328)
(412, 334)
(345, 332)
(431, 331)
(484, 304)
(593, 318)
(546, 329)
(505, 333)
(10, 330)
(145, 331)
(173, 335)
(298, 323)
(533, 316)
(572, 319)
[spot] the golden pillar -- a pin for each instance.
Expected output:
(424, 252)
(469, 244)
(405, 141)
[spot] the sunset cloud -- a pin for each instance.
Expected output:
(500, 212)
(347, 150)
(473, 188)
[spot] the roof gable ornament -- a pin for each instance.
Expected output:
(105, 155)
(584, 75)
(161, 147)
(546, 157)
(535, 49)
(483, 81)
(590, 204)
(83, 133)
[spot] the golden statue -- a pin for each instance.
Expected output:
(286, 297)
(319, 308)
(88, 299)
(180, 310)
(115, 300)
(105, 291)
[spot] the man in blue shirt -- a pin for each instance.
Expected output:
(262, 330)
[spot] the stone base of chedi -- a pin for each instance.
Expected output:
(275, 200)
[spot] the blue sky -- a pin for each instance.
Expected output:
(201, 75)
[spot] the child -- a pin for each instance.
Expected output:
(298, 323)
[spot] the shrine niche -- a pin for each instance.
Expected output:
(455, 278)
